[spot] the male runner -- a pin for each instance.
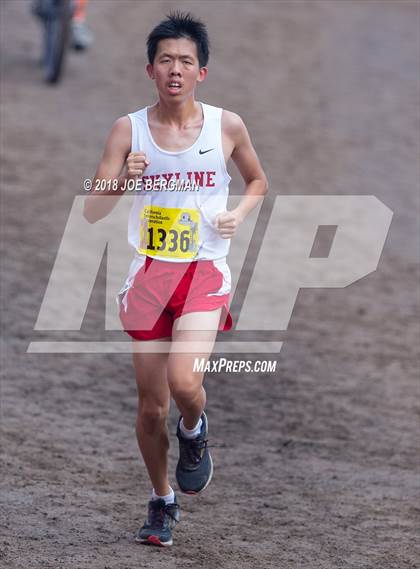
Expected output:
(178, 285)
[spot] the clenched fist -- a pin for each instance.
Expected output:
(136, 164)
(227, 223)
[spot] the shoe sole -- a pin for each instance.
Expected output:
(153, 540)
(192, 492)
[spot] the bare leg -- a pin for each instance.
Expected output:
(153, 409)
(198, 331)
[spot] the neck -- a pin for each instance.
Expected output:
(177, 113)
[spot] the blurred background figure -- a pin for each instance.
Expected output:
(81, 36)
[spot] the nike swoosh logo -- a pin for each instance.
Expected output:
(205, 151)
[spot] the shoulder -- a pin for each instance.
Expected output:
(121, 130)
(232, 125)
(122, 126)
(231, 121)
(119, 138)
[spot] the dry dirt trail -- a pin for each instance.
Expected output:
(316, 464)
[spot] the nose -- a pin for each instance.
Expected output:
(176, 67)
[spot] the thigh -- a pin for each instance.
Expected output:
(202, 324)
(193, 336)
(151, 365)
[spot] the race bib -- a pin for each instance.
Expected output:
(169, 232)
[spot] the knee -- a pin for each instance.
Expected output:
(185, 388)
(151, 416)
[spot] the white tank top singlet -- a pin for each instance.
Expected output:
(174, 207)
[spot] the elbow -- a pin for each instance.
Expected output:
(88, 214)
(89, 219)
(264, 186)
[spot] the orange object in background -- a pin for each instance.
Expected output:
(80, 10)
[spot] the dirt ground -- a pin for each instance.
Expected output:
(316, 466)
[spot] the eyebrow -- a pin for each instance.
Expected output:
(183, 56)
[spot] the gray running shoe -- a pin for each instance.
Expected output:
(194, 470)
(81, 36)
(161, 519)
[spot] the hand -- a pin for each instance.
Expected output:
(227, 223)
(136, 164)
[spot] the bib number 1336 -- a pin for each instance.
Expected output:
(169, 232)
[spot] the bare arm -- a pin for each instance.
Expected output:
(246, 159)
(117, 163)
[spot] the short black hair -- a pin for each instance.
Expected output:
(180, 25)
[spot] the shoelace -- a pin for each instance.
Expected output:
(157, 516)
(191, 449)
(213, 445)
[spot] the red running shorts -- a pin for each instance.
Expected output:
(162, 291)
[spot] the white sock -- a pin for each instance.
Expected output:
(191, 434)
(169, 498)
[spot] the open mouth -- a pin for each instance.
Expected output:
(174, 86)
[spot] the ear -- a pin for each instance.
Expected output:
(150, 72)
(202, 74)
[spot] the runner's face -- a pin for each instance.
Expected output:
(176, 69)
